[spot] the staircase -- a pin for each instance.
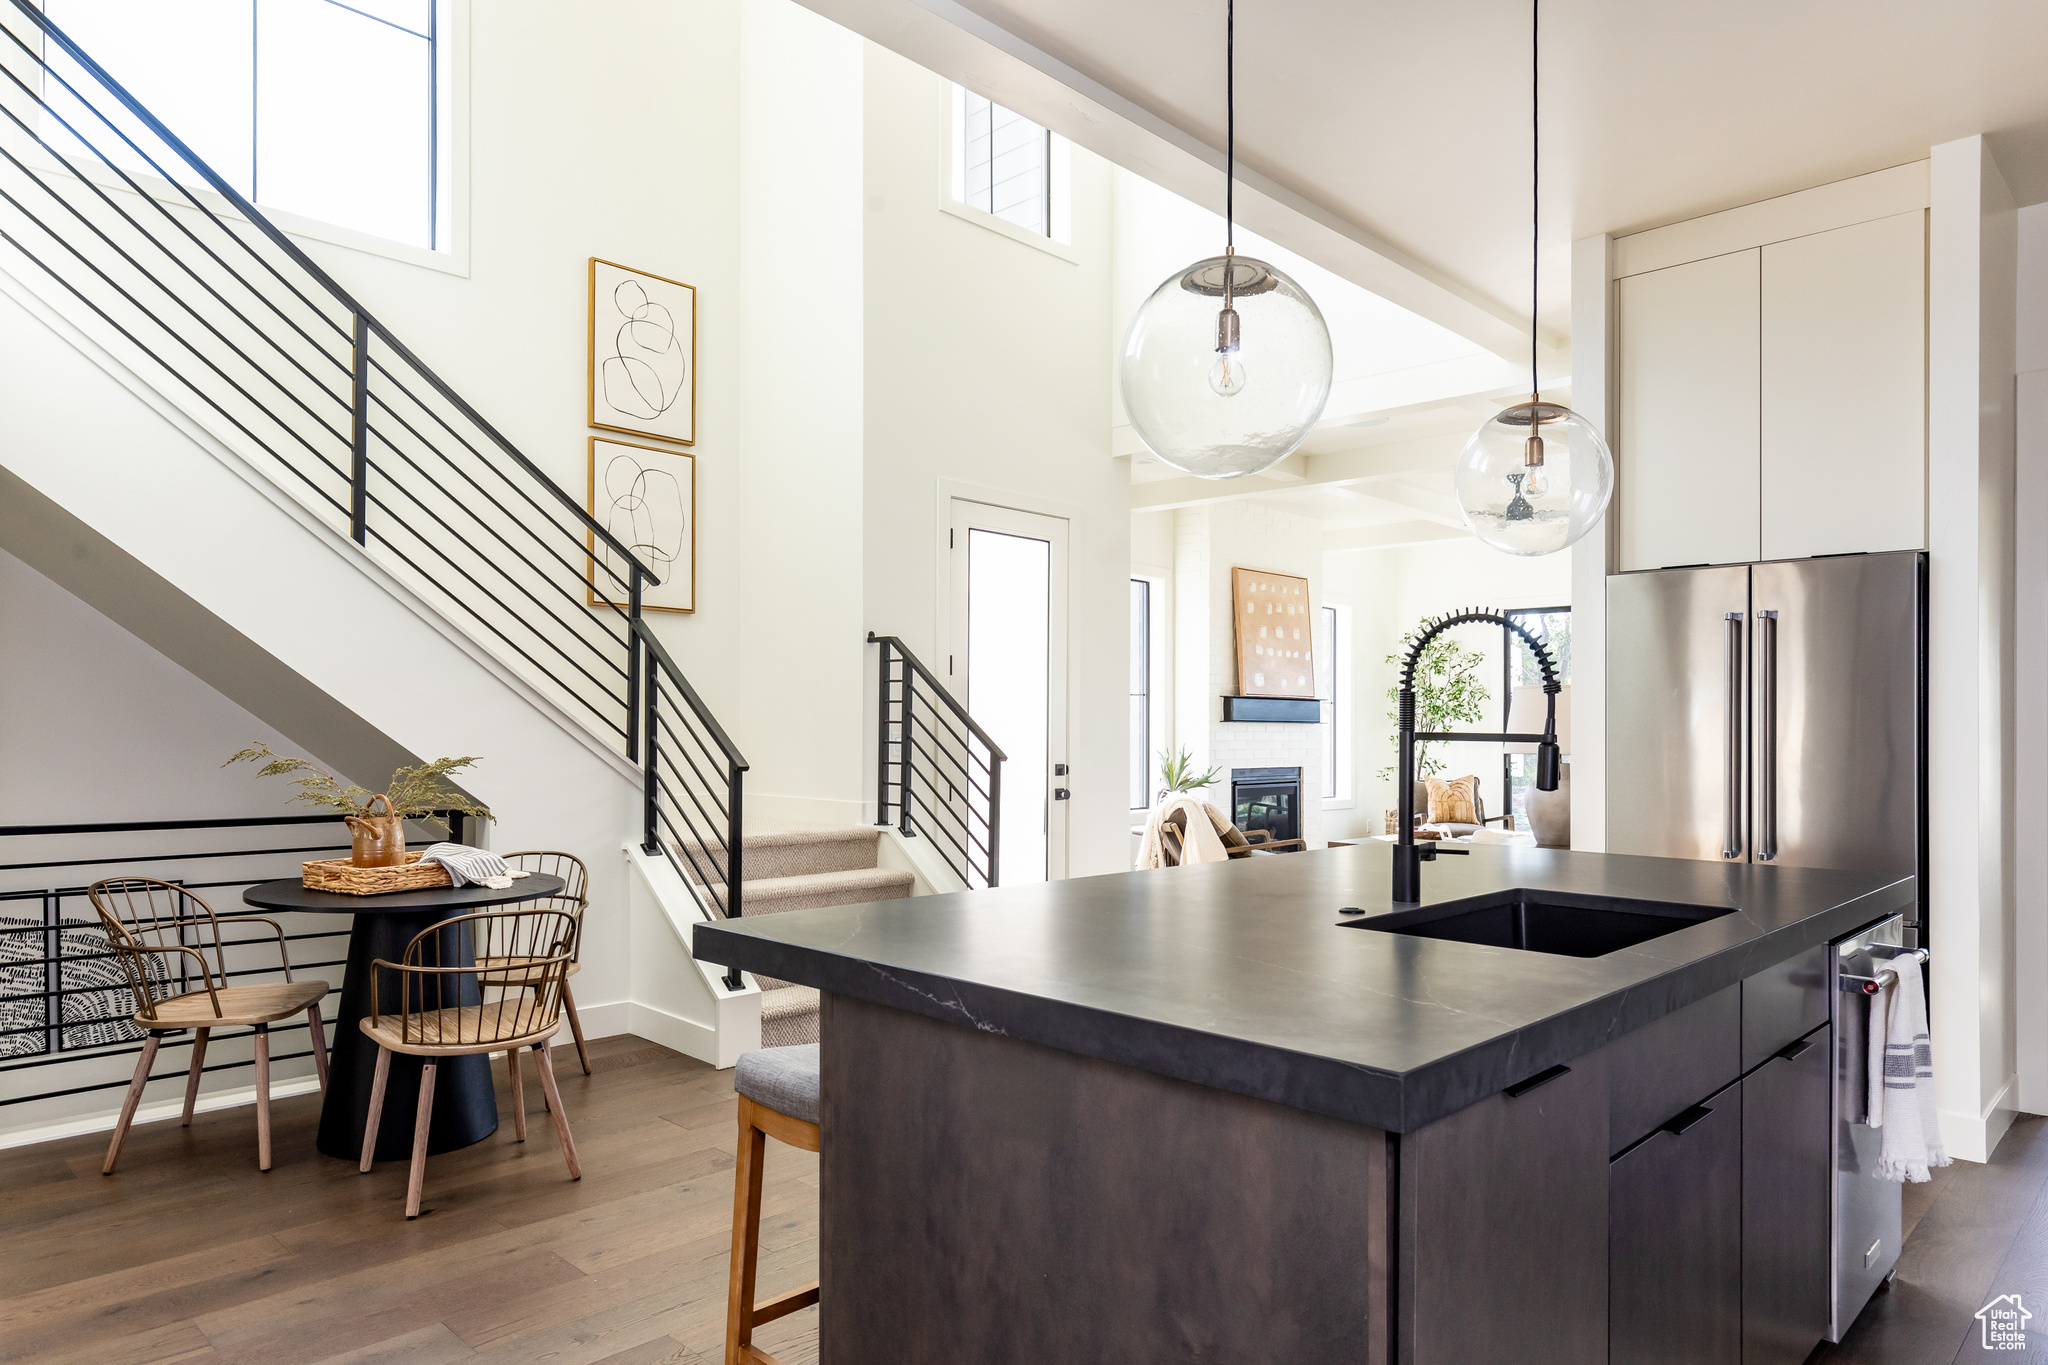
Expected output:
(803, 870)
(267, 455)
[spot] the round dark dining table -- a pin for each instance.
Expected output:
(465, 1101)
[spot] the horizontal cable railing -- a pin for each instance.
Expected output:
(691, 780)
(65, 1005)
(935, 768)
(118, 226)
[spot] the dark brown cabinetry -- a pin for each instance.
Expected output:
(1674, 1241)
(1786, 1171)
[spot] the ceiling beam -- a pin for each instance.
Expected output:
(953, 40)
(1368, 465)
(1390, 536)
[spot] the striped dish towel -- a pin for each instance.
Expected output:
(467, 866)
(1901, 1080)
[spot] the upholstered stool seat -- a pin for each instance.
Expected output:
(779, 1093)
(784, 1079)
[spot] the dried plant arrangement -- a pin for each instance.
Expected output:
(413, 793)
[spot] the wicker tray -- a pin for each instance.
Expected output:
(339, 874)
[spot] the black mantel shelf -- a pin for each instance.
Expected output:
(1282, 710)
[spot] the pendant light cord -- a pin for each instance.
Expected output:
(1229, 126)
(1535, 183)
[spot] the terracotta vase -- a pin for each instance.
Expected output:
(379, 840)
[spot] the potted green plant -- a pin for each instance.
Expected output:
(1177, 773)
(416, 793)
(1448, 694)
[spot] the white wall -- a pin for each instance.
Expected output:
(1209, 541)
(2030, 666)
(1972, 281)
(1391, 591)
(96, 726)
(988, 375)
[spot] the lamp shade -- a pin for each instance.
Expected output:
(1525, 717)
(1218, 420)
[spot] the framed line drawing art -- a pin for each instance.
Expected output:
(647, 497)
(1275, 634)
(643, 353)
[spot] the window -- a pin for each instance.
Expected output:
(336, 112)
(1553, 626)
(1332, 677)
(1141, 694)
(1010, 168)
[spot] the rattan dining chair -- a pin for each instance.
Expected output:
(574, 898)
(158, 944)
(444, 1008)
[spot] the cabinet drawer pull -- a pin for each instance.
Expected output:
(1792, 1052)
(1687, 1120)
(1541, 1078)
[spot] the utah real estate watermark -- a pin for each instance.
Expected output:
(2004, 1323)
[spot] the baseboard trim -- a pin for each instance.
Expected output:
(673, 1031)
(156, 1110)
(1974, 1137)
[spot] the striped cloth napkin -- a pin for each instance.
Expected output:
(1901, 1080)
(477, 866)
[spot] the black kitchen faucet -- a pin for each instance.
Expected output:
(1408, 855)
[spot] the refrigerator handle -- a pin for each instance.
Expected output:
(1731, 837)
(1767, 727)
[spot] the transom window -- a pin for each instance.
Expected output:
(1009, 167)
(335, 112)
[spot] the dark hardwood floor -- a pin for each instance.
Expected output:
(188, 1253)
(1972, 1234)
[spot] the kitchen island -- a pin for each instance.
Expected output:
(1204, 1113)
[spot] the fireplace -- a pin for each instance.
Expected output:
(1267, 799)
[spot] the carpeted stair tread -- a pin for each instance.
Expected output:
(789, 1016)
(808, 891)
(795, 853)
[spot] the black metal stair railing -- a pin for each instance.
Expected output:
(65, 1004)
(116, 225)
(936, 768)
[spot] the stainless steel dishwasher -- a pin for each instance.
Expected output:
(1867, 1217)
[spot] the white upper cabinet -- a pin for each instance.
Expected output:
(1770, 374)
(1845, 391)
(1688, 478)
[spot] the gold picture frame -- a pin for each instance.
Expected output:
(650, 504)
(641, 375)
(1274, 625)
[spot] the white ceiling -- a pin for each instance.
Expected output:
(1405, 127)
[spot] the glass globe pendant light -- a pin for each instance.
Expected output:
(1226, 367)
(1536, 476)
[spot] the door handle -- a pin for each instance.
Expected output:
(1792, 1052)
(1731, 785)
(1535, 1082)
(1690, 1118)
(1767, 744)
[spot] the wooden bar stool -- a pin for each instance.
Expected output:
(778, 1088)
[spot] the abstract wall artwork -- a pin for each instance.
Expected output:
(643, 353)
(647, 498)
(1275, 634)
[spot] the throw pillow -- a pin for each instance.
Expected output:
(1455, 801)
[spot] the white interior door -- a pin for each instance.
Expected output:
(1007, 653)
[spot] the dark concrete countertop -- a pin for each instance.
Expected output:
(1238, 975)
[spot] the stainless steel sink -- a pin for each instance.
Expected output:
(1545, 921)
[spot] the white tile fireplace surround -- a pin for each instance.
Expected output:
(1207, 543)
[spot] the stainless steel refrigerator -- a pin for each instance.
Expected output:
(1776, 713)
(1771, 713)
